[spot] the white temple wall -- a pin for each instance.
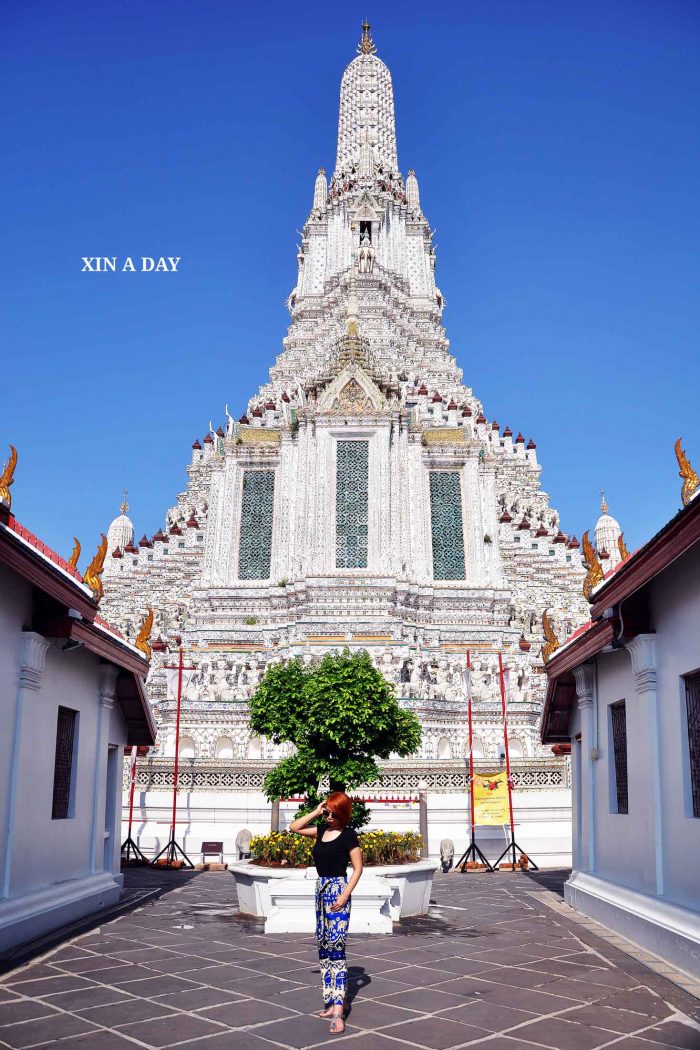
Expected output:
(542, 822)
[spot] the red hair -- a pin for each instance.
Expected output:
(340, 806)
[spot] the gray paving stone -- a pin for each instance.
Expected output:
(563, 1035)
(372, 1013)
(196, 999)
(491, 1016)
(24, 1010)
(438, 1033)
(150, 985)
(673, 1033)
(44, 1030)
(246, 1012)
(602, 1016)
(641, 1000)
(175, 1028)
(300, 1031)
(82, 998)
(50, 985)
(115, 1014)
(428, 1000)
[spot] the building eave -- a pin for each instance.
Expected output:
(561, 692)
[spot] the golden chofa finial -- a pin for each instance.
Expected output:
(691, 482)
(93, 573)
(622, 547)
(73, 560)
(603, 503)
(551, 642)
(594, 573)
(142, 638)
(7, 477)
(366, 44)
(124, 505)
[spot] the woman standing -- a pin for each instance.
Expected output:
(335, 848)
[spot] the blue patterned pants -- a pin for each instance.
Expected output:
(331, 934)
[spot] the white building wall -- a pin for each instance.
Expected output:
(638, 872)
(53, 871)
(675, 611)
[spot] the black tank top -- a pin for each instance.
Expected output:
(332, 858)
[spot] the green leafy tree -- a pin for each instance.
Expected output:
(341, 715)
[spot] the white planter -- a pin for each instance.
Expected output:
(293, 904)
(285, 899)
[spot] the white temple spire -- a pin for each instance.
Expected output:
(412, 194)
(366, 108)
(320, 189)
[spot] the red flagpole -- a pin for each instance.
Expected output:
(471, 751)
(177, 755)
(132, 786)
(505, 742)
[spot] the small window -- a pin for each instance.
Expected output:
(534, 546)
(200, 537)
(149, 557)
(181, 543)
(618, 727)
(63, 780)
(551, 551)
(692, 707)
(366, 228)
(516, 539)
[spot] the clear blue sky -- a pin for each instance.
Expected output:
(556, 146)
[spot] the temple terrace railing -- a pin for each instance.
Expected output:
(156, 774)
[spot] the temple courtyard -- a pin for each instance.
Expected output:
(498, 963)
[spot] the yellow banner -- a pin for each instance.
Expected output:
(490, 799)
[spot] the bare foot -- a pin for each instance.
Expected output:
(328, 1012)
(337, 1025)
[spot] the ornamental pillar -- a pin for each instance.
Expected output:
(642, 650)
(585, 802)
(32, 658)
(107, 688)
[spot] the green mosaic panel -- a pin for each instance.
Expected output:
(447, 529)
(351, 504)
(255, 545)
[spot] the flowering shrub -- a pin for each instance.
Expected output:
(285, 849)
(390, 847)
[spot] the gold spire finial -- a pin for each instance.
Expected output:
(594, 572)
(73, 560)
(691, 482)
(7, 477)
(142, 638)
(551, 642)
(93, 573)
(366, 45)
(603, 504)
(124, 505)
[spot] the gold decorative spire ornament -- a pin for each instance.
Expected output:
(603, 504)
(142, 638)
(551, 642)
(622, 547)
(366, 45)
(124, 505)
(691, 482)
(93, 573)
(73, 560)
(7, 477)
(594, 569)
